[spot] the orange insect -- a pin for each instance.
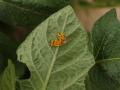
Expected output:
(59, 41)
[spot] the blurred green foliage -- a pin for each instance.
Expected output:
(99, 3)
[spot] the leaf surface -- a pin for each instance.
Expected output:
(56, 68)
(7, 79)
(105, 75)
(42, 3)
(7, 50)
(28, 13)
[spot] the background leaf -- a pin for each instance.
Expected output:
(42, 3)
(56, 68)
(28, 13)
(105, 75)
(8, 81)
(7, 50)
(24, 15)
(16, 15)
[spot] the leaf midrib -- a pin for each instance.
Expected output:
(99, 48)
(107, 60)
(54, 57)
(104, 60)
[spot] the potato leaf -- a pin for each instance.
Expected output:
(105, 75)
(28, 13)
(15, 15)
(42, 3)
(56, 68)
(7, 50)
(7, 79)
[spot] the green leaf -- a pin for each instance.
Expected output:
(16, 15)
(7, 46)
(42, 3)
(28, 13)
(3, 63)
(105, 75)
(56, 68)
(7, 81)
(7, 50)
